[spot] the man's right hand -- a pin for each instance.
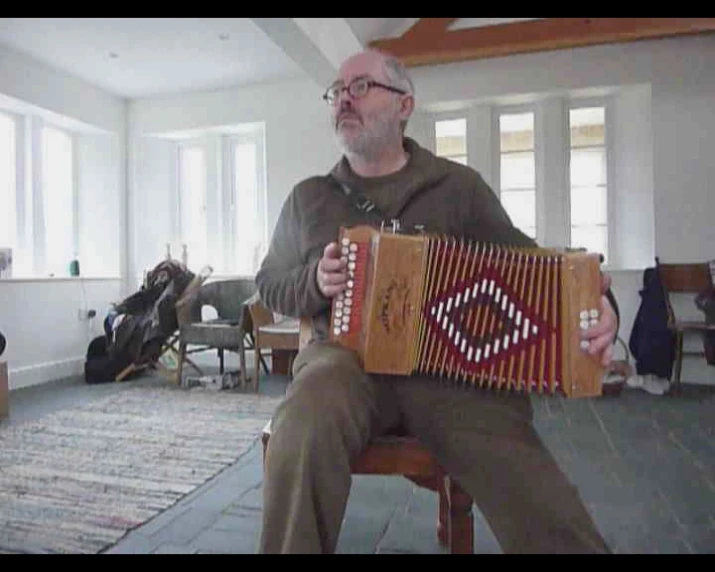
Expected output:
(332, 272)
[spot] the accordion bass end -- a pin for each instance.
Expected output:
(474, 314)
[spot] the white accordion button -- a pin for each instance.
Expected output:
(584, 315)
(348, 301)
(345, 251)
(348, 293)
(346, 319)
(346, 310)
(351, 283)
(339, 304)
(353, 247)
(594, 313)
(351, 266)
(336, 331)
(584, 324)
(346, 242)
(345, 327)
(594, 322)
(584, 345)
(352, 256)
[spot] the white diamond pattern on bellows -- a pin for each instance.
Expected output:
(494, 296)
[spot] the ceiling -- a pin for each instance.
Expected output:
(153, 57)
(149, 57)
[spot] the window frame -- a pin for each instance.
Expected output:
(461, 114)
(606, 102)
(517, 109)
(178, 226)
(255, 134)
(38, 237)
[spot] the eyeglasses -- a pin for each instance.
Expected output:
(357, 88)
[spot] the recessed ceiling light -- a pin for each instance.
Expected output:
(223, 37)
(113, 55)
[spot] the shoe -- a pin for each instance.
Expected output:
(649, 383)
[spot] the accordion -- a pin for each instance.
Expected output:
(474, 314)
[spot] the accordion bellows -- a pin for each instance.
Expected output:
(474, 314)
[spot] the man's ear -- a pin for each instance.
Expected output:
(407, 106)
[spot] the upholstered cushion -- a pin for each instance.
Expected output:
(213, 334)
(285, 326)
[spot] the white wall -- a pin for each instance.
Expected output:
(679, 73)
(663, 107)
(46, 340)
(676, 72)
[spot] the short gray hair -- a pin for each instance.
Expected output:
(397, 75)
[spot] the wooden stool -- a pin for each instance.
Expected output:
(401, 454)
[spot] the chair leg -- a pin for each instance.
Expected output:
(257, 366)
(242, 357)
(678, 355)
(461, 521)
(220, 360)
(180, 368)
(443, 514)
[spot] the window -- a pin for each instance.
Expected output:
(588, 192)
(249, 202)
(8, 212)
(451, 138)
(58, 200)
(192, 205)
(518, 170)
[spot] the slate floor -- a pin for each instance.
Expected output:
(644, 464)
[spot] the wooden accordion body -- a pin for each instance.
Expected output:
(475, 314)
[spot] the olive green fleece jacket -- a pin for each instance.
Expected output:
(441, 195)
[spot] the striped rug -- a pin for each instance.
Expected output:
(77, 480)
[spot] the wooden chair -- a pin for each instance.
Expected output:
(692, 278)
(280, 336)
(399, 453)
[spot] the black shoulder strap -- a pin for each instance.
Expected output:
(361, 202)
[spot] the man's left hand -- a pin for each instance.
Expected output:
(602, 335)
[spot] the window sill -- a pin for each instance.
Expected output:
(59, 279)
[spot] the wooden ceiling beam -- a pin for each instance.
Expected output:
(427, 28)
(429, 41)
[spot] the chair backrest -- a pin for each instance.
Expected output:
(692, 277)
(227, 296)
(261, 315)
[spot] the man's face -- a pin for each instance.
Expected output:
(366, 124)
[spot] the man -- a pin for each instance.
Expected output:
(332, 408)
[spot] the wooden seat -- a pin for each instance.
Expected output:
(689, 278)
(397, 453)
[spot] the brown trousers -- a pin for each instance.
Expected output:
(484, 441)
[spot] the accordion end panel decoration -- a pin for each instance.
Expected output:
(473, 314)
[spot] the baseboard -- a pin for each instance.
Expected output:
(42, 373)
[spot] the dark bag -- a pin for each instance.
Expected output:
(101, 366)
(651, 342)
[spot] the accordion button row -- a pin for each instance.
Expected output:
(344, 301)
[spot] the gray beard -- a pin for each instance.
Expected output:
(370, 144)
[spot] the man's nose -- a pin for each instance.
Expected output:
(344, 97)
